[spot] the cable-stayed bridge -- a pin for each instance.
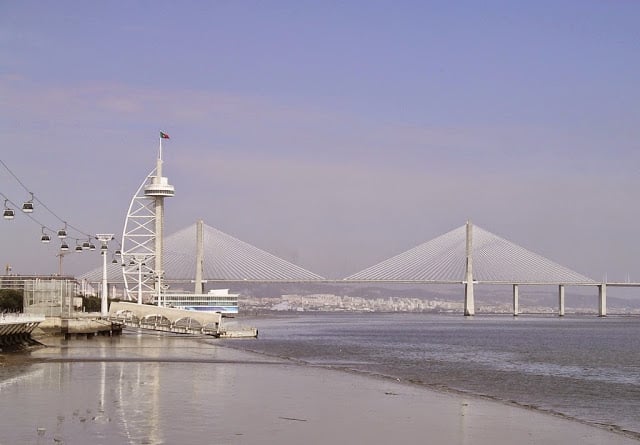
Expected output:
(495, 261)
(227, 259)
(468, 255)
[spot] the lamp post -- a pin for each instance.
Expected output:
(104, 238)
(61, 256)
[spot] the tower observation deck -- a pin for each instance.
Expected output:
(160, 189)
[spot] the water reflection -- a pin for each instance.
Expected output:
(130, 394)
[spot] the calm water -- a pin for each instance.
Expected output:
(134, 389)
(151, 389)
(586, 368)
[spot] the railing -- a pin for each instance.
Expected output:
(16, 317)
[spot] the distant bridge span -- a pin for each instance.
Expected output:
(602, 288)
(465, 256)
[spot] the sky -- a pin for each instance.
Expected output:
(331, 134)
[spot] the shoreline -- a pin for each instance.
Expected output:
(273, 399)
(441, 389)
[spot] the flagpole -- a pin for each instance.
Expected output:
(159, 168)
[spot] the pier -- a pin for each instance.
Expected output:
(143, 316)
(16, 329)
(179, 321)
(88, 328)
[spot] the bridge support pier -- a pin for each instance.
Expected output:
(469, 303)
(561, 300)
(602, 300)
(516, 307)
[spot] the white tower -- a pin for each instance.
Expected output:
(158, 190)
(143, 234)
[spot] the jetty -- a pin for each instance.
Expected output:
(89, 328)
(16, 329)
(179, 321)
(238, 332)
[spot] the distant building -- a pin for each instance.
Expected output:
(49, 295)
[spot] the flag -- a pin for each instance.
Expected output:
(164, 135)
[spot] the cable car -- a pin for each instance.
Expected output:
(103, 248)
(64, 246)
(92, 246)
(85, 245)
(45, 237)
(114, 261)
(118, 252)
(27, 207)
(78, 248)
(62, 233)
(8, 213)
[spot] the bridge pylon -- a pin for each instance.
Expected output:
(469, 303)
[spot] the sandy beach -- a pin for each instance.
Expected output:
(220, 395)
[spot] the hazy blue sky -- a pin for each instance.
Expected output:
(332, 134)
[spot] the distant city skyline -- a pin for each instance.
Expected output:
(333, 135)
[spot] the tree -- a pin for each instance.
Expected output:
(91, 304)
(11, 300)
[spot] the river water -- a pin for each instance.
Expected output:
(138, 388)
(586, 368)
(159, 388)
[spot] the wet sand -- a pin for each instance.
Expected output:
(301, 404)
(213, 394)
